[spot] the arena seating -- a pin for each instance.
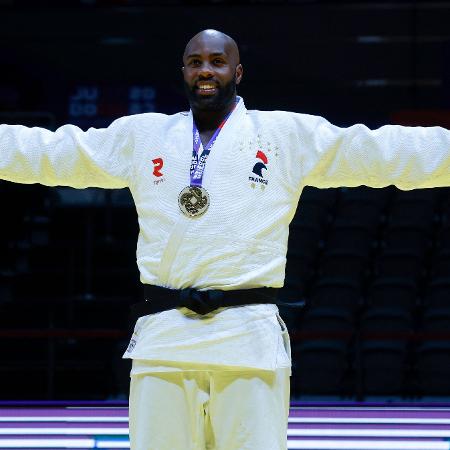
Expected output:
(378, 292)
(367, 292)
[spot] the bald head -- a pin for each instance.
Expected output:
(213, 38)
(211, 72)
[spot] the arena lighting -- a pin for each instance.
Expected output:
(366, 420)
(123, 419)
(357, 409)
(367, 445)
(53, 443)
(310, 428)
(292, 445)
(112, 444)
(408, 433)
(296, 432)
(380, 420)
(63, 443)
(71, 431)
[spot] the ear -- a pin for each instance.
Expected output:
(239, 73)
(182, 69)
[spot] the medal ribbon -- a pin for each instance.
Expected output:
(199, 158)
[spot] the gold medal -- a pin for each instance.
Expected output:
(193, 201)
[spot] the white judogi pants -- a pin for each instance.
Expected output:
(210, 410)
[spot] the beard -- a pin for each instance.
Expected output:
(217, 102)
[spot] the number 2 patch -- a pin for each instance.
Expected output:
(158, 165)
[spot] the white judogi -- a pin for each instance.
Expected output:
(254, 175)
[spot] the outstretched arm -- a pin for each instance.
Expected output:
(407, 157)
(68, 156)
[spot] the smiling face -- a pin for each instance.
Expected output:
(211, 71)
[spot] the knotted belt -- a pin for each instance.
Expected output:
(159, 299)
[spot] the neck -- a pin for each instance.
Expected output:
(207, 120)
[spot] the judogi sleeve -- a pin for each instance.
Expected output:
(407, 157)
(68, 156)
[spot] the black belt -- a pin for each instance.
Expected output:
(159, 299)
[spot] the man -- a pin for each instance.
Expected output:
(215, 190)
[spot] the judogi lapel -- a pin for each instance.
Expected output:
(222, 145)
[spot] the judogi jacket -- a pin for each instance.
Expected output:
(254, 175)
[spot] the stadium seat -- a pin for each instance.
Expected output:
(328, 320)
(26, 314)
(351, 264)
(304, 240)
(79, 369)
(314, 206)
(417, 206)
(393, 292)
(321, 366)
(6, 286)
(350, 234)
(310, 213)
(363, 214)
(436, 320)
(386, 320)
(438, 293)
(384, 366)
(399, 263)
(362, 205)
(342, 294)
(365, 194)
(297, 276)
(443, 238)
(406, 235)
(324, 197)
(432, 367)
(440, 264)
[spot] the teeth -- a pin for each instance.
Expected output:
(207, 86)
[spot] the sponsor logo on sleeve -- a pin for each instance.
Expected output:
(158, 164)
